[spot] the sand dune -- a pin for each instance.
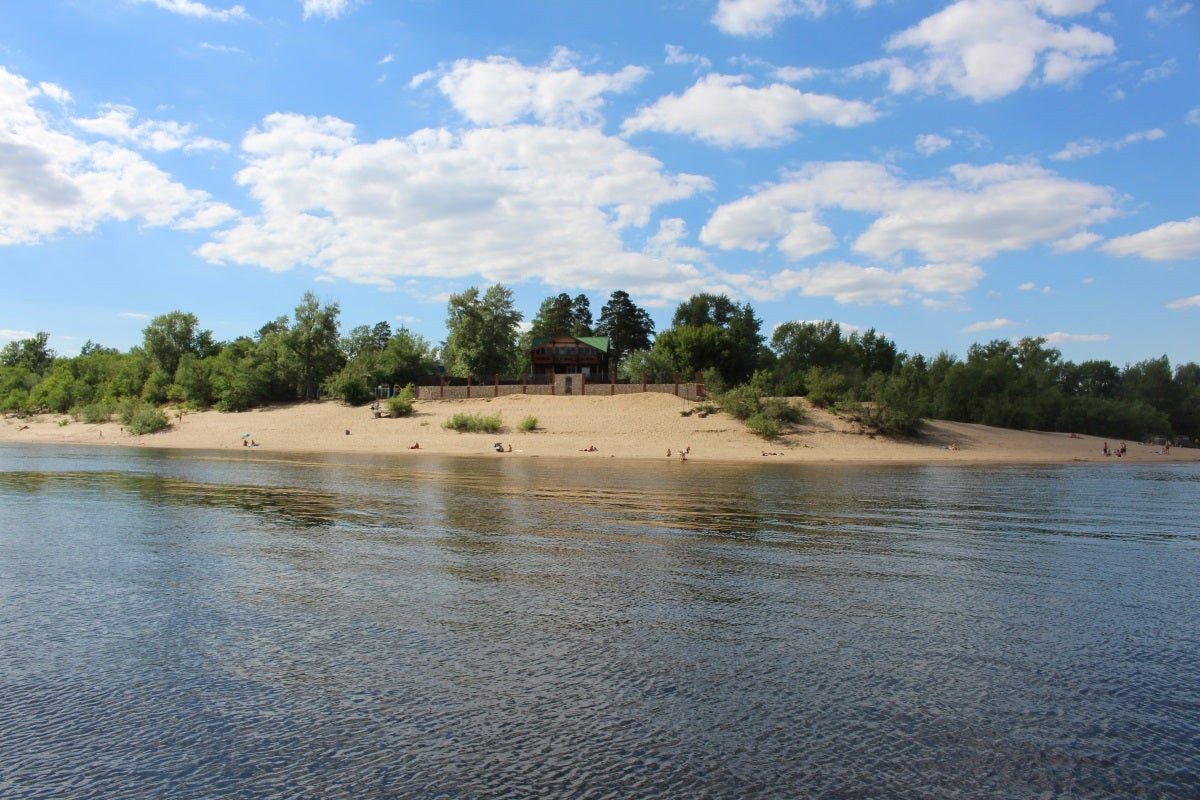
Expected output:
(637, 426)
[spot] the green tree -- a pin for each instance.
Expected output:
(561, 315)
(33, 353)
(627, 326)
(313, 338)
(481, 332)
(712, 331)
(169, 336)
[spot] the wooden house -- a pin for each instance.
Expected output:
(570, 355)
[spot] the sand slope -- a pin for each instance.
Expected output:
(637, 426)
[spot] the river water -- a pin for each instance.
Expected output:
(200, 624)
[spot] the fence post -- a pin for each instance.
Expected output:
(497, 379)
(643, 381)
(583, 384)
(468, 387)
(699, 385)
(553, 383)
(441, 386)
(677, 384)
(612, 383)
(524, 382)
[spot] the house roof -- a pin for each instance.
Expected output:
(598, 342)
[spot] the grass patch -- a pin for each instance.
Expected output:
(528, 424)
(474, 423)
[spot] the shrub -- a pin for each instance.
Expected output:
(761, 425)
(147, 419)
(474, 423)
(401, 404)
(741, 402)
(93, 413)
(528, 424)
(781, 410)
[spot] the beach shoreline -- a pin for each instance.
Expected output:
(638, 426)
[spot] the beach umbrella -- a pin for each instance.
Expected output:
(245, 436)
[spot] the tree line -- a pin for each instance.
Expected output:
(1023, 384)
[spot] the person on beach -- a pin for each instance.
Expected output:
(415, 446)
(1105, 450)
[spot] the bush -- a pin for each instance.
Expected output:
(761, 425)
(93, 413)
(741, 403)
(147, 419)
(474, 423)
(528, 424)
(781, 410)
(401, 404)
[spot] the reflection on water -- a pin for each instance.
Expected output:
(199, 625)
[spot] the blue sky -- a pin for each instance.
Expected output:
(945, 172)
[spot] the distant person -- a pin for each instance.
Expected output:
(415, 446)
(1105, 450)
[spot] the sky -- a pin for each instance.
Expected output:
(945, 172)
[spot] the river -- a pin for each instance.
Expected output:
(192, 624)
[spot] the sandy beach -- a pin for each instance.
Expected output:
(637, 426)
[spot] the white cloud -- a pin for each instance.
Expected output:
(852, 283)
(133, 315)
(1083, 148)
(929, 143)
(52, 181)
(329, 9)
(1170, 241)
(974, 213)
(1185, 302)
(1167, 10)
(500, 91)
(1073, 244)
(1030, 286)
(1058, 337)
(759, 17)
(720, 110)
(9, 333)
(679, 55)
(986, 49)
(116, 122)
(1193, 117)
(514, 203)
(191, 8)
(990, 325)
(1164, 70)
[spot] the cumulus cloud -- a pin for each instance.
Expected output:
(971, 214)
(510, 203)
(1073, 244)
(1058, 337)
(118, 122)
(1185, 302)
(1083, 148)
(191, 8)
(329, 9)
(499, 91)
(1170, 241)
(990, 325)
(52, 181)
(929, 143)
(679, 55)
(1167, 10)
(759, 17)
(873, 285)
(721, 110)
(9, 333)
(986, 49)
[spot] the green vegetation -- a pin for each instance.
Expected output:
(1023, 384)
(474, 423)
(528, 424)
(401, 404)
(139, 418)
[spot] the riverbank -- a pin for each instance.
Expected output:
(637, 426)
